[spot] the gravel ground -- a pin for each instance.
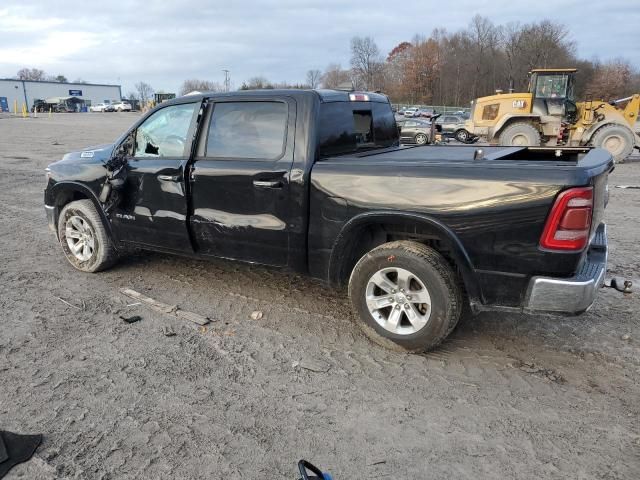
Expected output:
(507, 396)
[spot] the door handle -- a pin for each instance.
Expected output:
(267, 183)
(169, 178)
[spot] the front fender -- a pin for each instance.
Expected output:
(61, 193)
(444, 234)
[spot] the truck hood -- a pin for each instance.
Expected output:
(95, 154)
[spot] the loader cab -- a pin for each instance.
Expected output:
(552, 92)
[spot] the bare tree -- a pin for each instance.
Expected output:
(30, 74)
(144, 92)
(611, 80)
(313, 78)
(335, 77)
(365, 62)
(192, 85)
(256, 83)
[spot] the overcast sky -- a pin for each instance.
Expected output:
(165, 42)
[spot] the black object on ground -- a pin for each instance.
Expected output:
(133, 319)
(15, 449)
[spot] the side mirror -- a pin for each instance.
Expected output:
(126, 148)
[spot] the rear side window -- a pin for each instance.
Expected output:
(347, 127)
(247, 130)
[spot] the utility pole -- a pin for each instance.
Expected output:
(227, 80)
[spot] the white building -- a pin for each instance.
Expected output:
(21, 92)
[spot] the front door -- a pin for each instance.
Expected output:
(154, 208)
(240, 180)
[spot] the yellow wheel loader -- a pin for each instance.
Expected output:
(548, 115)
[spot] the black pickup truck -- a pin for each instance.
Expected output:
(316, 182)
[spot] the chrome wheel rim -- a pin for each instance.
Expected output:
(80, 238)
(421, 139)
(462, 135)
(398, 301)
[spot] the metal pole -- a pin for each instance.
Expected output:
(226, 80)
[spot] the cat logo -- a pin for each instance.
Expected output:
(519, 103)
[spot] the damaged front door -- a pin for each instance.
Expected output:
(154, 206)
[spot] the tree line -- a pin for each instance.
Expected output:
(453, 68)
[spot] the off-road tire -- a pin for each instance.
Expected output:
(520, 134)
(421, 139)
(434, 272)
(624, 136)
(104, 254)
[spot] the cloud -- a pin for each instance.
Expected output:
(163, 43)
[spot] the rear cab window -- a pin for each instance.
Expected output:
(251, 130)
(349, 127)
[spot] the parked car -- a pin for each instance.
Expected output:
(109, 108)
(315, 182)
(415, 131)
(453, 127)
(425, 112)
(121, 106)
(410, 112)
(98, 107)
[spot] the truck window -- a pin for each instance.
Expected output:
(247, 130)
(347, 127)
(164, 133)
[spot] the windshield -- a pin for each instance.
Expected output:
(552, 86)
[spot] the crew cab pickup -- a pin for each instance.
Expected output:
(315, 181)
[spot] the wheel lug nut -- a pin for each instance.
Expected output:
(397, 307)
(393, 290)
(391, 299)
(408, 297)
(406, 305)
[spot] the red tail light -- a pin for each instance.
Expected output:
(569, 222)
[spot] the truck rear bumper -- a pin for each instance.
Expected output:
(573, 295)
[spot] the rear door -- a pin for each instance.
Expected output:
(240, 180)
(154, 207)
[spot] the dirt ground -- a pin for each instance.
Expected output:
(507, 396)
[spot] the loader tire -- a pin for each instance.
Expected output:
(616, 139)
(520, 134)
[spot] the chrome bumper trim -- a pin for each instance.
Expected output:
(573, 295)
(51, 217)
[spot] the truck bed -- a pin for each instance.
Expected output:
(481, 155)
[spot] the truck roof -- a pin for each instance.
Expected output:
(325, 95)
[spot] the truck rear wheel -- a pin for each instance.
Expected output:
(406, 296)
(520, 134)
(616, 139)
(84, 239)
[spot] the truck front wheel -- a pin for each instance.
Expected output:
(520, 134)
(406, 296)
(83, 237)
